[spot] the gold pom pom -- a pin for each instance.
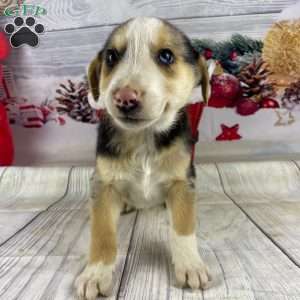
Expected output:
(282, 48)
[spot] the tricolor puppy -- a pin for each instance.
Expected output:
(144, 77)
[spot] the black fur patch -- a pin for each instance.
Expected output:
(106, 132)
(191, 171)
(180, 129)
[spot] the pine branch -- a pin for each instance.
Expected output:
(221, 51)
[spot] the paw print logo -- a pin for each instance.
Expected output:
(24, 32)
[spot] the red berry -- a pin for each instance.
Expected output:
(208, 53)
(269, 103)
(246, 106)
(225, 89)
(233, 55)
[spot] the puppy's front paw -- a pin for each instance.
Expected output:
(94, 280)
(196, 276)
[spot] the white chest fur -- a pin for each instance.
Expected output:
(144, 182)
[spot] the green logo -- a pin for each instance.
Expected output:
(25, 10)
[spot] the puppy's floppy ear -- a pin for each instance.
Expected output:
(94, 70)
(205, 78)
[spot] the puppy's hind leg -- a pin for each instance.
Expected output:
(106, 206)
(189, 267)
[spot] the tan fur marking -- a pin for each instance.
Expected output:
(105, 210)
(181, 202)
(205, 81)
(118, 38)
(177, 159)
(94, 71)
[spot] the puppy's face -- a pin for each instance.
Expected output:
(145, 74)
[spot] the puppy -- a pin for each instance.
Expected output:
(144, 77)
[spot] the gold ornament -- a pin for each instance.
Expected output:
(281, 48)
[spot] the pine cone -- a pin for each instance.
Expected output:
(73, 101)
(291, 96)
(253, 80)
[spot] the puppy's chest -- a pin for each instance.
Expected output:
(144, 180)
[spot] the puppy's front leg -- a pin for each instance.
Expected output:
(189, 267)
(96, 279)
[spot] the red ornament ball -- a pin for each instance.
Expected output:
(269, 103)
(246, 107)
(225, 89)
(208, 53)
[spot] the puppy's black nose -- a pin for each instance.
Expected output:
(126, 100)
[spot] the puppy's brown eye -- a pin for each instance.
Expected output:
(165, 56)
(112, 57)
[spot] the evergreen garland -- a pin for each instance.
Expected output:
(238, 45)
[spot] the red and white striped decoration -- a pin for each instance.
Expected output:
(31, 116)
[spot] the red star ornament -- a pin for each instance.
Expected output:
(229, 133)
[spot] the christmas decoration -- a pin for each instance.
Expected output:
(218, 69)
(246, 106)
(253, 80)
(233, 55)
(6, 141)
(5, 75)
(26, 114)
(194, 112)
(73, 101)
(208, 54)
(225, 89)
(5, 48)
(229, 52)
(247, 59)
(281, 48)
(291, 96)
(229, 133)
(8, 86)
(285, 118)
(269, 103)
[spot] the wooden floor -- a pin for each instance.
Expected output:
(249, 235)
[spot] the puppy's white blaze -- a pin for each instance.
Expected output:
(141, 32)
(184, 250)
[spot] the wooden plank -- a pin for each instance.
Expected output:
(2, 170)
(280, 221)
(54, 263)
(67, 53)
(268, 193)
(11, 222)
(25, 192)
(243, 261)
(68, 14)
(247, 150)
(79, 185)
(32, 189)
(261, 181)
(208, 185)
(51, 251)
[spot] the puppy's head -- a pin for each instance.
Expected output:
(145, 73)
